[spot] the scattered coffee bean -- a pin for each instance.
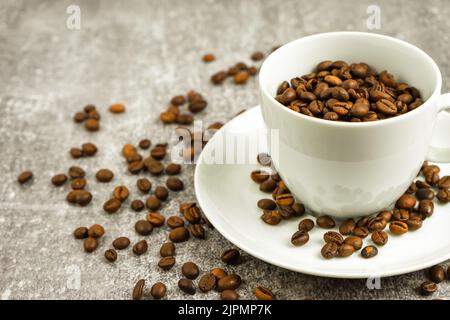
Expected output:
(167, 249)
(361, 232)
(267, 204)
(268, 185)
(208, 57)
(377, 224)
(354, 241)
(406, 202)
(197, 231)
(76, 172)
(190, 270)
(285, 199)
(414, 223)
(231, 256)
(369, 252)
(219, 273)
(262, 293)
(443, 195)
(386, 215)
(325, 222)
(111, 255)
(112, 205)
(117, 108)
(229, 295)
(78, 184)
(59, 179)
(143, 227)
(80, 197)
(79, 117)
(427, 288)
(400, 215)
(444, 182)
(121, 243)
(173, 169)
(271, 217)
(144, 185)
(300, 238)
(140, 247)
(175, 222)
(335, 237)
(192, 214)
(156, 219)
(161, 193)
(166, 263)
(424, 194)
(362, 222)
(138, 289)
(90, 244)
(76, 153)
(259, 176)
(306, 225)
(380, 237)
(96, 231)
(346, 250)
(187, 286)
(137, 205)
(329, 250)
(347, 227)
(92, 125)
(179, 234)
(207, 282)
(257, 56)
(153, 203)
(398, 227)
(89, 149)
(104, 175)
(229, 282)
(80, 233)
(145, 144)
(437, 274)
(158, 290)
(174, 184)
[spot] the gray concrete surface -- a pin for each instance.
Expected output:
(142, 53)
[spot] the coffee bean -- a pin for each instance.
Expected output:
(167, 117)
(414, 223)
(90, 244)
(262, 293)
(347, 227)
(179, 234)
(267, 204)
(229, 282)
(427, 288)
(161, 193)
(386, 215)
(426, 208)
(369, 252)
(190, 270)
(332, 236)
(398, 227)
(145, 144)
(89, 149)
(80, 197)
(432, 177)
(231, 256)
(111, 255)
(137, 205)
(207, 282)
(306, 225)
(361, 232)
(346, 250)
(285, 199)
(78, 184)
(117, 108)
(144, 185)
(219, 273)
(380, 237)
(79, 117)
(167, 249)
(300, 238)
(259, 176)
(59, 179)
(112, 205)
(80, 233)
(175, 222)
(362, 222)
(443, 195)
(140, 247)
(192, 215)
(174, 184)
(104, 175)
(229, 295)
(187, 286)
(299, 209)
(143, 227)
(412, 188)
(271, 217)
(354, 241)
(92, 125)
(444, 182)
(135, 167)
(197, 231)
(76, 153)
(437, 274)
(93, 114)
(329, 250)
(96, 231)
(158, 290)
(121, 243)
(406, 202)
(325, 222)
(166, 263)
(268, 185)
(257, 56)
(376, 224)
(158, 153)
(219, 77)
(138, 289)
(156, 219)
(425, 194)
(153, 203)
(422, 184)
(76, 172)
(173, 169)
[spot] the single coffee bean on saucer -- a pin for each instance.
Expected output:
(354, 241)
(332, 236)
(325, 222)
(369, 252)
(300, 238)
(347, 227)
(330, 250)
(380, 237)
(306, 225)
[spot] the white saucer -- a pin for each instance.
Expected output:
(228, 198)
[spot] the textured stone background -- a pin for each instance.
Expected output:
(142, 53)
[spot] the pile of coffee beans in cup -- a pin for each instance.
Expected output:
(195, 103)
(338, 91)
(409, 213)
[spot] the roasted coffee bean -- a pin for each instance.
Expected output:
(414, 223)
(437, 274)
(167, 117)
(167, 249)
(135, 167)
(406, 202)
(264, 159)
(153, 203)
(104, 175)
(173, 169)
(369, 252)
(76, 172)
(362, 222)
(400, 215)
(262, 293)
(325, 222)
(144, 185)
(271, 217)
(143, 227)
(156, 219)
(229, 295)
(197, 231)
(161, 193)
(306, 225)
(79, 117)
(137, 205)
(376, 224)
(187, 286)
(219, 273)
(145, 143)
(219, 77)
(166, 263)
(412, 188)
(117, 108)
(59, 179)
(299, 209)
(354, 241)
(386, 215)
(138, 289)
(231, 256)
(285, 199)
(380, 237)
(443, 195)
(192, 214)
(427, 288)
(158, 153)
(329, 250)
(300, 238)
(190, 270)
(229, 282)
(140, 247)
(332, 236)
(111, 255)
(89, 149)
(257, 56)
(92, 124)
(287, 96)
(267, 204)
(174, 184)
(286, 212)
(424, 194)
(90, 244)
(241, 77)
(444, 182)
(347, 227)
(207, 282)
(80, 197)
(268, 186)
(179, 234)
(426, 208)
(78, 184)
(158, 290)
(112, 205)
(80, 233)
(346, 250)
(76, 153)
(96, 231)
(432, 178)
(175, 222)
(259, 176)
(422, 184)
(361, 232)
(398, 227)
(121, 243)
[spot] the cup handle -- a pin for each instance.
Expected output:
(436, 154)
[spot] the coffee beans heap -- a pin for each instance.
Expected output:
(411, 209)
(195, 104)
(337, 91)
(89, 116)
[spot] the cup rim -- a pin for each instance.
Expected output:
(393, 120)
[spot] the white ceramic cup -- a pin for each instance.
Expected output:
(352, 169)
